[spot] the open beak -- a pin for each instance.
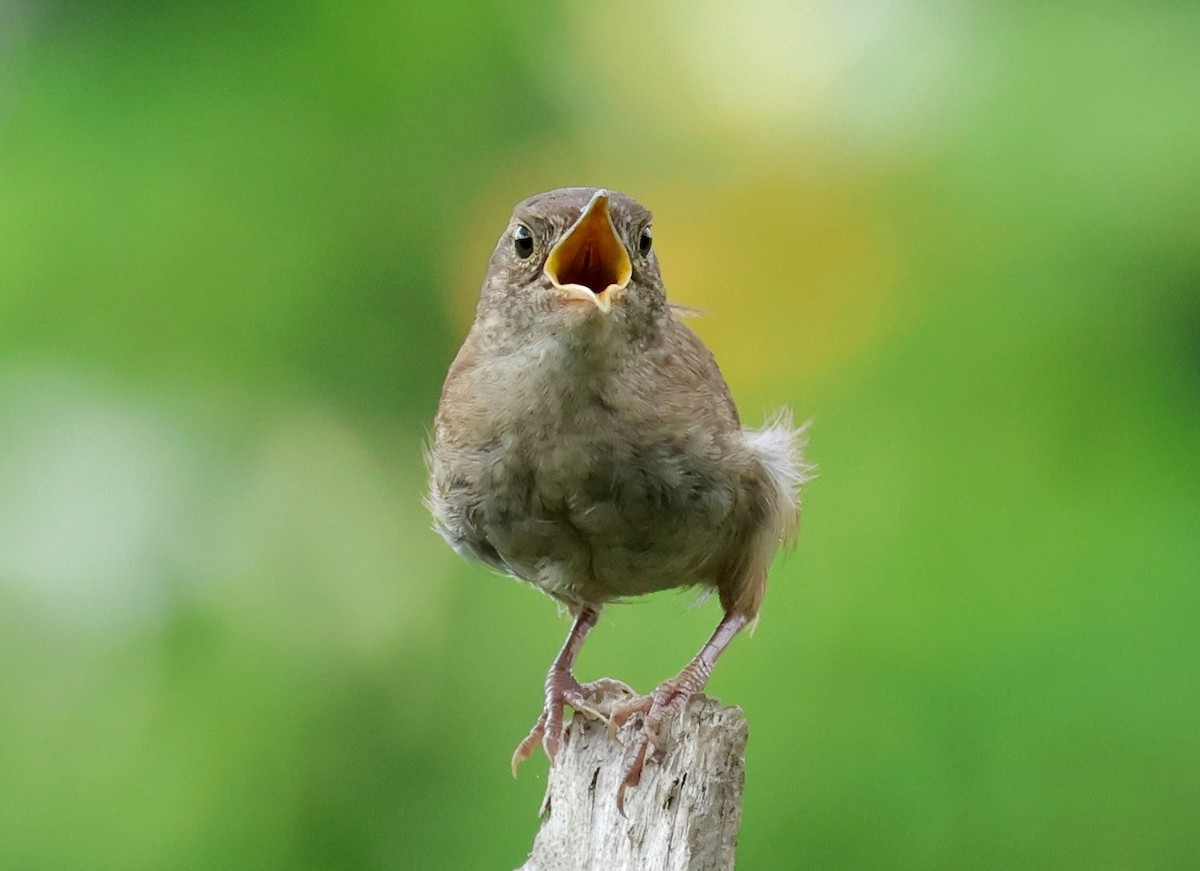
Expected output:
(590, 263)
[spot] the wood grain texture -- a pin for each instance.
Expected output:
(684, 816)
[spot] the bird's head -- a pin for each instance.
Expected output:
(576, 255)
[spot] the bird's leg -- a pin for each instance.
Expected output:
(669, 700)
(561, 689)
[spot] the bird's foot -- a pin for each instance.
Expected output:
(595, 700)
(668, 700)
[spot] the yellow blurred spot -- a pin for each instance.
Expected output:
(793, 278)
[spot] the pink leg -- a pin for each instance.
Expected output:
(561, 689)
(669, 700)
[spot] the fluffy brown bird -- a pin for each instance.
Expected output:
(586, 443)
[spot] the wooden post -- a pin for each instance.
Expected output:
(683, 816)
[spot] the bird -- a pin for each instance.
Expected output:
(587, 443)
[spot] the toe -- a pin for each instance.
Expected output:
(622, 713)
(525, 748)
(631, 774)
(580, 700)
(552, 734)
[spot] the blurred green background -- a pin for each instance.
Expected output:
(239, 244)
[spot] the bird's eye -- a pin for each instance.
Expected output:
(523, 241)
(645, 240)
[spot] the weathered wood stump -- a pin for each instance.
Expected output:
(683, 816)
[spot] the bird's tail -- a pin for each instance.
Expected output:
(779, 446)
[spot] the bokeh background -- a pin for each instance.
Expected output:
(239, 244)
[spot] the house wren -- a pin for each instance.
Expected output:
(587, 443)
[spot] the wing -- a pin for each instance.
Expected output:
(452, 501)
(766, 466)
(687, 375)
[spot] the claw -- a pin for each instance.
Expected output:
(631, 775)
(561, 690)
(552, 734)
(667, 701)
(525, 748)
(601, 700)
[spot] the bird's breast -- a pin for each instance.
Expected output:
(584, 485)
(602, 510)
